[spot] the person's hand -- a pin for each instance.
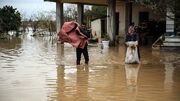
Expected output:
(126, 44)
(81, 37)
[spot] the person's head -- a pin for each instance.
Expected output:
(83, 25)
(136, 29)
(131, 24)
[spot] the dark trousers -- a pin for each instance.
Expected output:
(138, 52)
(79, 51)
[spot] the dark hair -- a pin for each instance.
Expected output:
(131, 24)
(83, 23)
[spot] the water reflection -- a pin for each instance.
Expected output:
(132, 75)
(176, 82)
(40, 69)
(132, 71)
(14, 43)
(60, 82)
(10, 51)
(71, 86)
(60, 54)
(82, 79)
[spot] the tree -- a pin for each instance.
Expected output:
(42, 20)
(160, 8)
(98, 11)
(70, 13)
(94, 13)
(10, 19)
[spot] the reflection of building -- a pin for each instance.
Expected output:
(151, 82)
(176, 81)
(169, 69)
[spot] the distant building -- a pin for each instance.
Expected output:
(119, 14)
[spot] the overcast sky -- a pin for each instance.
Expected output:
(29, 7)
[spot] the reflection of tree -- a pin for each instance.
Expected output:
(82, 83)
(13, 43)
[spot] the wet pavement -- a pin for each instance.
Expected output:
(40, 69)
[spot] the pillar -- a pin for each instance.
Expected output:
(59, 16)
(128, 15)
(80, 9)
(111, 13)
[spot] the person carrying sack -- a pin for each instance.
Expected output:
(131, 41)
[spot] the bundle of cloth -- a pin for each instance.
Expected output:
(71, 34)
(132, 52)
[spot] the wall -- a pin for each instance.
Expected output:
(120, 7)
(96, 27)
(135, 13)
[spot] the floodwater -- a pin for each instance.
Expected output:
(40, 69)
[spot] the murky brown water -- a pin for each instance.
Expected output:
(37, 69)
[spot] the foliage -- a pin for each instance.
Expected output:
(10, 19)
(160, 8)
(94, 13)
(41, 20)
(70, 13)
(98, 11)
(105, 36)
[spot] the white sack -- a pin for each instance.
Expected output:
(132, 52)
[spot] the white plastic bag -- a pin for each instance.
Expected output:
(132, 52)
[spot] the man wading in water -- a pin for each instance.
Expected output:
(84, 50)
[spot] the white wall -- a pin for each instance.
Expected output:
(96, 27)
(135, 13)
(120, 7)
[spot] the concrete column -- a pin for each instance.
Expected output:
(169, 23)
(80, 9)
(111, 13)
(59, 16)
(128, 15)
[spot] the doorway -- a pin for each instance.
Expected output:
(143, 16)
(117, 23)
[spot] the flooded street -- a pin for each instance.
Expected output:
(40, 69)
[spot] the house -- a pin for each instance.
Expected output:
(119, 14)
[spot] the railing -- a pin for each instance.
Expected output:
(156, 45)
